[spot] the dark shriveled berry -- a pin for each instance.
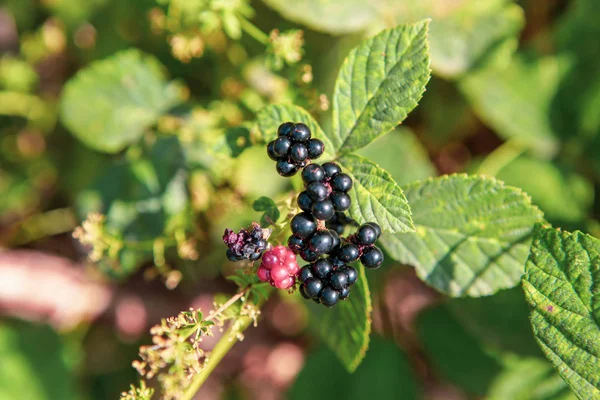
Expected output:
(231, 256)
(338, 280)
(341, 182)
(321, 242)
(322, 268)
(298, 152)
(303, 225)
(300, 133)
(366, 235)
(351, 274)
(308, 255)
(281, 146)
(313, 287)
(340, 200)
(285, 168)
(304, 201)
(315, 148)
(331, 169)
(372, 258)
(271, 151)
(317, 191)
(329, 296)
(313, 173)
(296, 244)
(323, 210)
(285, 129)
(305, 273)
(344, 293)
(348, 253)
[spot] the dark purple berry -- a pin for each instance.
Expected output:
(303, 225)
(315, 148)
(303, 292)
(296, 244)
(300, 133)
(320, 242)
(338, 280)
(348, 253)
(376, 227)
(344, 293)
(322, 268)
(372, 258)
(271, 151)
(231, 256)
(366, 235)
(351, 274)
(281, 146)
(331, 169)
(285, 168)
(329, 296)
(317, 191)
(298, 152)
(305, 273)
(313, 287)
(285, 129)
(336, 262)
(308, 255)
(323, 210)
(313, 173)
(304, 201)
(336, 239)
(341, 182)
(340, 200)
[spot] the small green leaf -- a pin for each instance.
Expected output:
(109, 104)
(347, 326)
(270, 117)
(271, 212)
(472, 234)
(379, 83)
(375, 196)
(562, 287)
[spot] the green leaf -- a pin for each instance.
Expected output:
(271, 212)
(561, 284)
(402, 155)
(270, 117)
(502, 97)
(375, 196)
(472, 234)
(379, 83)
(109, 104)
(328, 16)
(384, 374)
(347, 326)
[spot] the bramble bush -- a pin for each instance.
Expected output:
(412, 181)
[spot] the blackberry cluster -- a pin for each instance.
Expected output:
(326, 281)
(361, 246)
(279, 268)
(294, 148)
(247, 244)
(326, 190)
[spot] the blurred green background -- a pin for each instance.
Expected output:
(143, 110)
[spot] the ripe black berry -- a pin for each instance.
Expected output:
(366, 235)
(315, 148)
(304, 201)
(317, 191)
(313, 287)
(281, 146)
(322, 268)
(298, 152)
(336, 239)
(303, 292)
(313, 173)
(341, 182)
(305, 273)
(338, 280)
(344, 293)
(351, 274)
(331, 169)
(348, 253)
(303, 225)
(323, 210)
(300, 133)
(372, 258)
(296, 244)
(285, 129)
(376, 227)
(321, 242)
(285, 168)
(271, 151)
(329, 296)
(308, 255)
(340, 200)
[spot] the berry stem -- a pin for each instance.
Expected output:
(254, 31)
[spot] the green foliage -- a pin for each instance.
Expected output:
(110, 104)
(472, 234)
(560, 285)
(270, 211)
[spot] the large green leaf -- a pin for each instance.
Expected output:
(109, 104)
(472, 234)
(562, 287)
(379, 83)
(375, 196)
(347, 326)
(270, 117)
(503, 98)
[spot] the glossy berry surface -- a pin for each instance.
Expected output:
(340, 201)
(279, 268)
(321, 242)
(304, 201)
(300, 133)
(322, 268)
(331, 169)
(338, 280)
(317, 191)
(366, 235)
(313, 287)
(305, 273)
(298, 152)
(329, 296)
(341, 182)
(296, 244)
(313, 173)
(285, 129)
(303, 225)
(376, 227)
(351, 275)
(348, 253)
(315, 148)
(285, 168)
(323, 210)
(308, 255)
(372, 258)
